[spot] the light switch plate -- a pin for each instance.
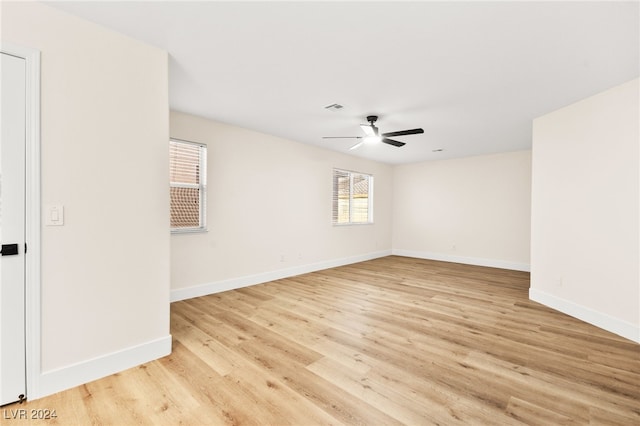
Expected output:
(54, 215)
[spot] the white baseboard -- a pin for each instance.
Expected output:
(249, 280)
(593, 317)
(78, 374)
(478, 261)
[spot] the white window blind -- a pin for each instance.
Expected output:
(188, 185)
(352, 197)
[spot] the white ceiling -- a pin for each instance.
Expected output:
(472, 74)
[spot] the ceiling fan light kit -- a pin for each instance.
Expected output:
(373, 135)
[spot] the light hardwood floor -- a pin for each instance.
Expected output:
(390, 341)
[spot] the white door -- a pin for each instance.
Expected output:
(12, 229)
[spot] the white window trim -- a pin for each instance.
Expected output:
(202, 191)
(351, 204)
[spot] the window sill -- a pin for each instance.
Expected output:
(177, 231)
(353, 224)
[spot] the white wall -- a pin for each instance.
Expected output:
(104, 131)
(472, 210)
(585, 210)
(270, 199)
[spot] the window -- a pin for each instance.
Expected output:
(352, 197)
(188, 185)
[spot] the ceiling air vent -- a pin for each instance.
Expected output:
(334, 107)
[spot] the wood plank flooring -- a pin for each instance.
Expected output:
(390, 341)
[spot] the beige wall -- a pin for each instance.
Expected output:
(269, 210)
(104, 131)
(585, 210)
(472, 210)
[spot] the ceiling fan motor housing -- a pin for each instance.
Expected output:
(372, 120)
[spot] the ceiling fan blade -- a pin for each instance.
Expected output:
(342, 137)
(356, 145)
(404, 132)
(392, 142)
(369, 130)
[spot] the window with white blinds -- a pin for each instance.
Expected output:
(188, 185)
(352, 197)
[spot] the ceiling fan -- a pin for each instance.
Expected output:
(372, 134)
